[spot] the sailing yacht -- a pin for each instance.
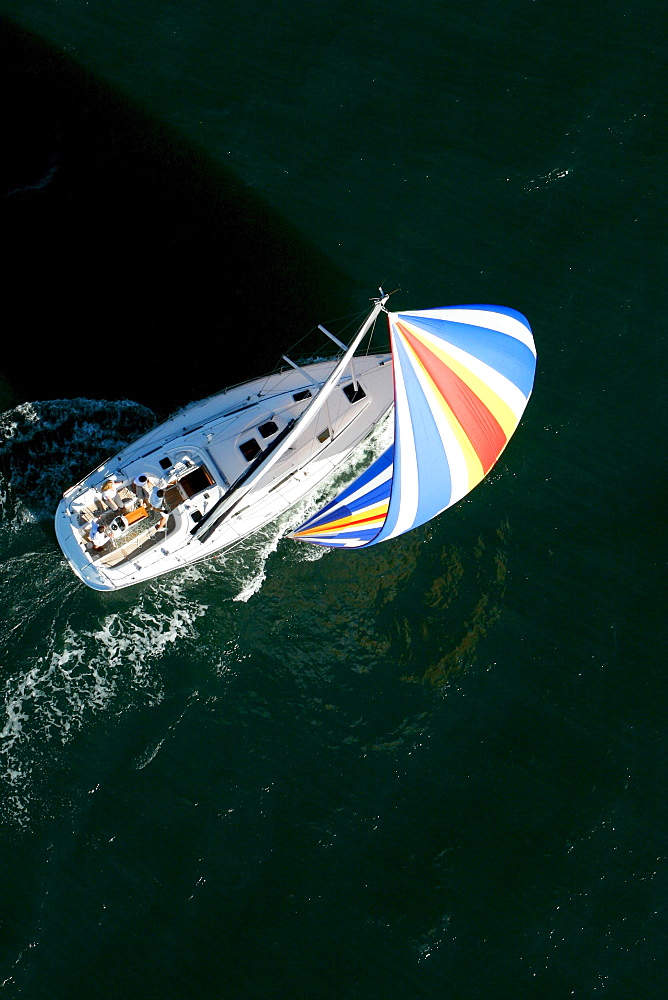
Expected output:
(458, 378)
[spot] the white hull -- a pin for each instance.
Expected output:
(201, 451)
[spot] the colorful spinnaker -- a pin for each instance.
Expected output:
(462, 379)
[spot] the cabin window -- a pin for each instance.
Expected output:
(323, 435)
(165, 463)
(250, 449)
(354, 392)
(303, 394)
(266, 430)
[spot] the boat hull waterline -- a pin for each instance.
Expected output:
(197, 454)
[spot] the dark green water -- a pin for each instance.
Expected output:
(435, 769)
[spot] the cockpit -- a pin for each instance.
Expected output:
(121, 517)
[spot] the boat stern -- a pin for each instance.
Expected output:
(75, 554)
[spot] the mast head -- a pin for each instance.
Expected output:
(382, 298)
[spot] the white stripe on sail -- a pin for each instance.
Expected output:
(342, 543)
(453, 454)
(333, 512)
(506, 390)
(485, 318)
(378, 480)
(405, 490)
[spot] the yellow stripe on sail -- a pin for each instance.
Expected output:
(497, 406)
(473, 463)
(474, 469)
(367, 518)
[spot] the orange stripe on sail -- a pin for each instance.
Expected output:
(345, 523)
(476, 420)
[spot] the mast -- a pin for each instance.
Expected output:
(239, 490)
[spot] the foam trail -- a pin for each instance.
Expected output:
(54, 683)
(82, 669)
(47, 446)
(81, 672)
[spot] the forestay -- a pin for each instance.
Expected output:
(462, 379)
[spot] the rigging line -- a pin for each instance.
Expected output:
(351, 320)
(279, 446)
(279, 368)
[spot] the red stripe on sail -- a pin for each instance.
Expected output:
(349, 524)
(476, 420)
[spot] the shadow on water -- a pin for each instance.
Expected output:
(135, 265)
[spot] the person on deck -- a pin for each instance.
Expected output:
(157, 502)
(109, 494)
(98, 535)
(143, 485)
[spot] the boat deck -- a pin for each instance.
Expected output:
(139, 536)
(199, 462)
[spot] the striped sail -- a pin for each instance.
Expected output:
(462, 379)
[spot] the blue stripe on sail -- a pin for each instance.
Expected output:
(338, 540)
(380, 492)
(363, 534)
(434, 482)
(504, 353)
(374, 470)
(370, 499)
(373, 497)
(357, 484)
(342, 510)
(504, 310)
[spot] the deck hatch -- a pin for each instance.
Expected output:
(250, 449)
(354, 392)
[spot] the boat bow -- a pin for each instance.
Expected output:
(462, 379)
